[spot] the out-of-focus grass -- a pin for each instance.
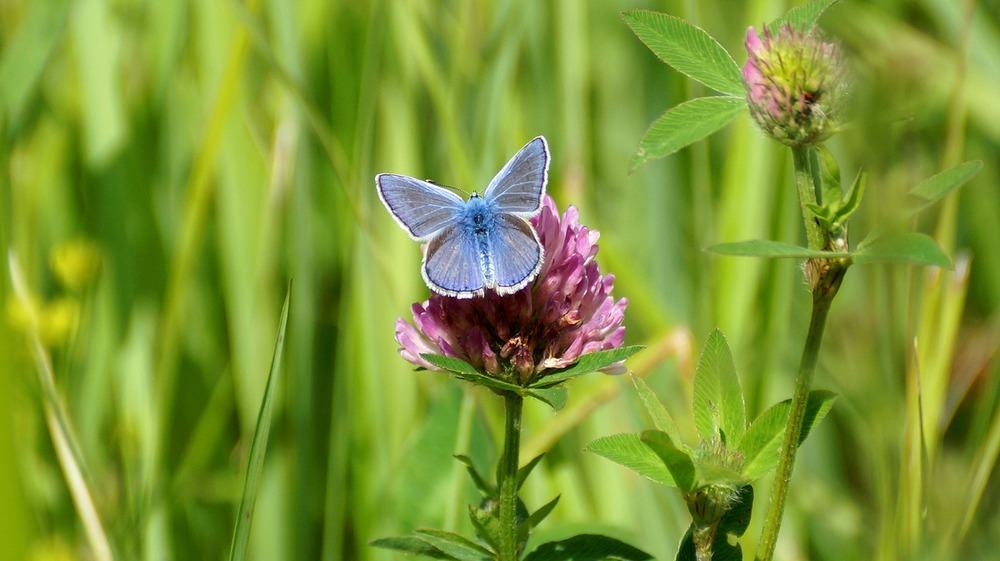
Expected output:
(212, 150)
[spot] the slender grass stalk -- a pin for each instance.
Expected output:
(507, 476)
(258, 447)
(825, 282)
(64, 439)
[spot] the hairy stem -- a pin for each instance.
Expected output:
(507, 477)
(824, 276)
(805, 183)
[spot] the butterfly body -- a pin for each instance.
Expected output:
(483, 243)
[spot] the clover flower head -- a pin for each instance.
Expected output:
(567, 312)
(795, 83)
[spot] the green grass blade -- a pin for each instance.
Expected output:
(255, 463)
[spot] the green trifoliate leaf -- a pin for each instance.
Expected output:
(761, 445)
(802, 17)
(684, 124)
(455, 545)
(465, 371)
(769, 248)
(553, 397)
(687, 48)
(587, 547)
(719, 413)
(450, 363)
(910, 247)
(590, 362)
(409, 544)
(936, 187)
(628, 450)
(656, 410)
(678, 461)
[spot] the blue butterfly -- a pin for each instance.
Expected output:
(483, 243)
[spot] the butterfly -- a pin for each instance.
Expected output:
(485, 242)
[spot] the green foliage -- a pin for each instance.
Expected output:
(688, 49)
(248, 135)
(658, 413)
(733, 525)
(719, 413)
(934, 188)
(802, 17)
(258, 446)
(630, 451)
(590, 362)
(685, 123)
(761, 444)
(587, 547)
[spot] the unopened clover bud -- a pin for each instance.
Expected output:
(795, 83)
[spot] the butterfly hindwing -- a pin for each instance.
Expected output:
(420, 207)
(516, 253)
(518, 187)
(453, 265)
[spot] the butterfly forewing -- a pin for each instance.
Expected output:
(517, 254)
(518, 187)
(452, 264)
(421, 208)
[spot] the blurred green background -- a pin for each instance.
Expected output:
(168, 166)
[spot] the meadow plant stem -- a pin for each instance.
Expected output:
(793, 429)
(507, 476)
(805, 182)
(824, 276)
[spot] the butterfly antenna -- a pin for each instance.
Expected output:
(449, 187)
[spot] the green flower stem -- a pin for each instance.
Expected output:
(805, 182)
(825, 276)
(793, 429)
(507, 476)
